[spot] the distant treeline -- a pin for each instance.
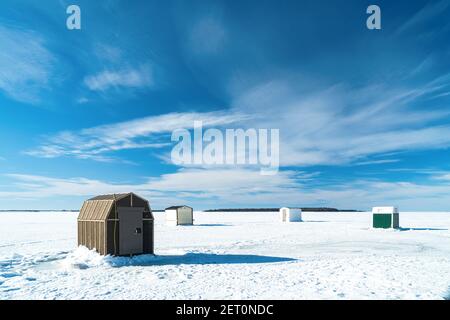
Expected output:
(277, 209)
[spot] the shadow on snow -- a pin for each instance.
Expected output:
(422, 229)
(193, 259)
(212, 225)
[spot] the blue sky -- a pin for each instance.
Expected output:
(364, 116)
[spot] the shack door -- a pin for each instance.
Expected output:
(130, 231)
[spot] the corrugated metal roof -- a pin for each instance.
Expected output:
(95, 209)
(98, 208)
(116, 196)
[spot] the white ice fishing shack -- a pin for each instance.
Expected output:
(179, 216)
(290, 214)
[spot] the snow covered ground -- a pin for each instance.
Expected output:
(233, 256)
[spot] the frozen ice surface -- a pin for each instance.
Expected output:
(232, 256)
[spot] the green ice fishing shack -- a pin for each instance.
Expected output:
(385, 217)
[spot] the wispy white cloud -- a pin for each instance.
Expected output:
(331, 126)
(217, 182)
(441, 95)
(133, 78)
(97, 142)
(407, 195)
(197, 183)
(442, 176)
(36, 187)
(423, 66)
(340, 124)
(381, 161)
(82, 100)
(428, 12)
(235, 187)
(108, 53)
(25, 64)
(205, 186)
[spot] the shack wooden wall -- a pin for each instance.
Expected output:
(92, 234)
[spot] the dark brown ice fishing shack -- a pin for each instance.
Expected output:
(117, 224)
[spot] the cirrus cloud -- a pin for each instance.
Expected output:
(205, 188)
(26, 65)
(97, 143)
(140, 77)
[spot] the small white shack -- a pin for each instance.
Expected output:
(290, 214)
(179, 216)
